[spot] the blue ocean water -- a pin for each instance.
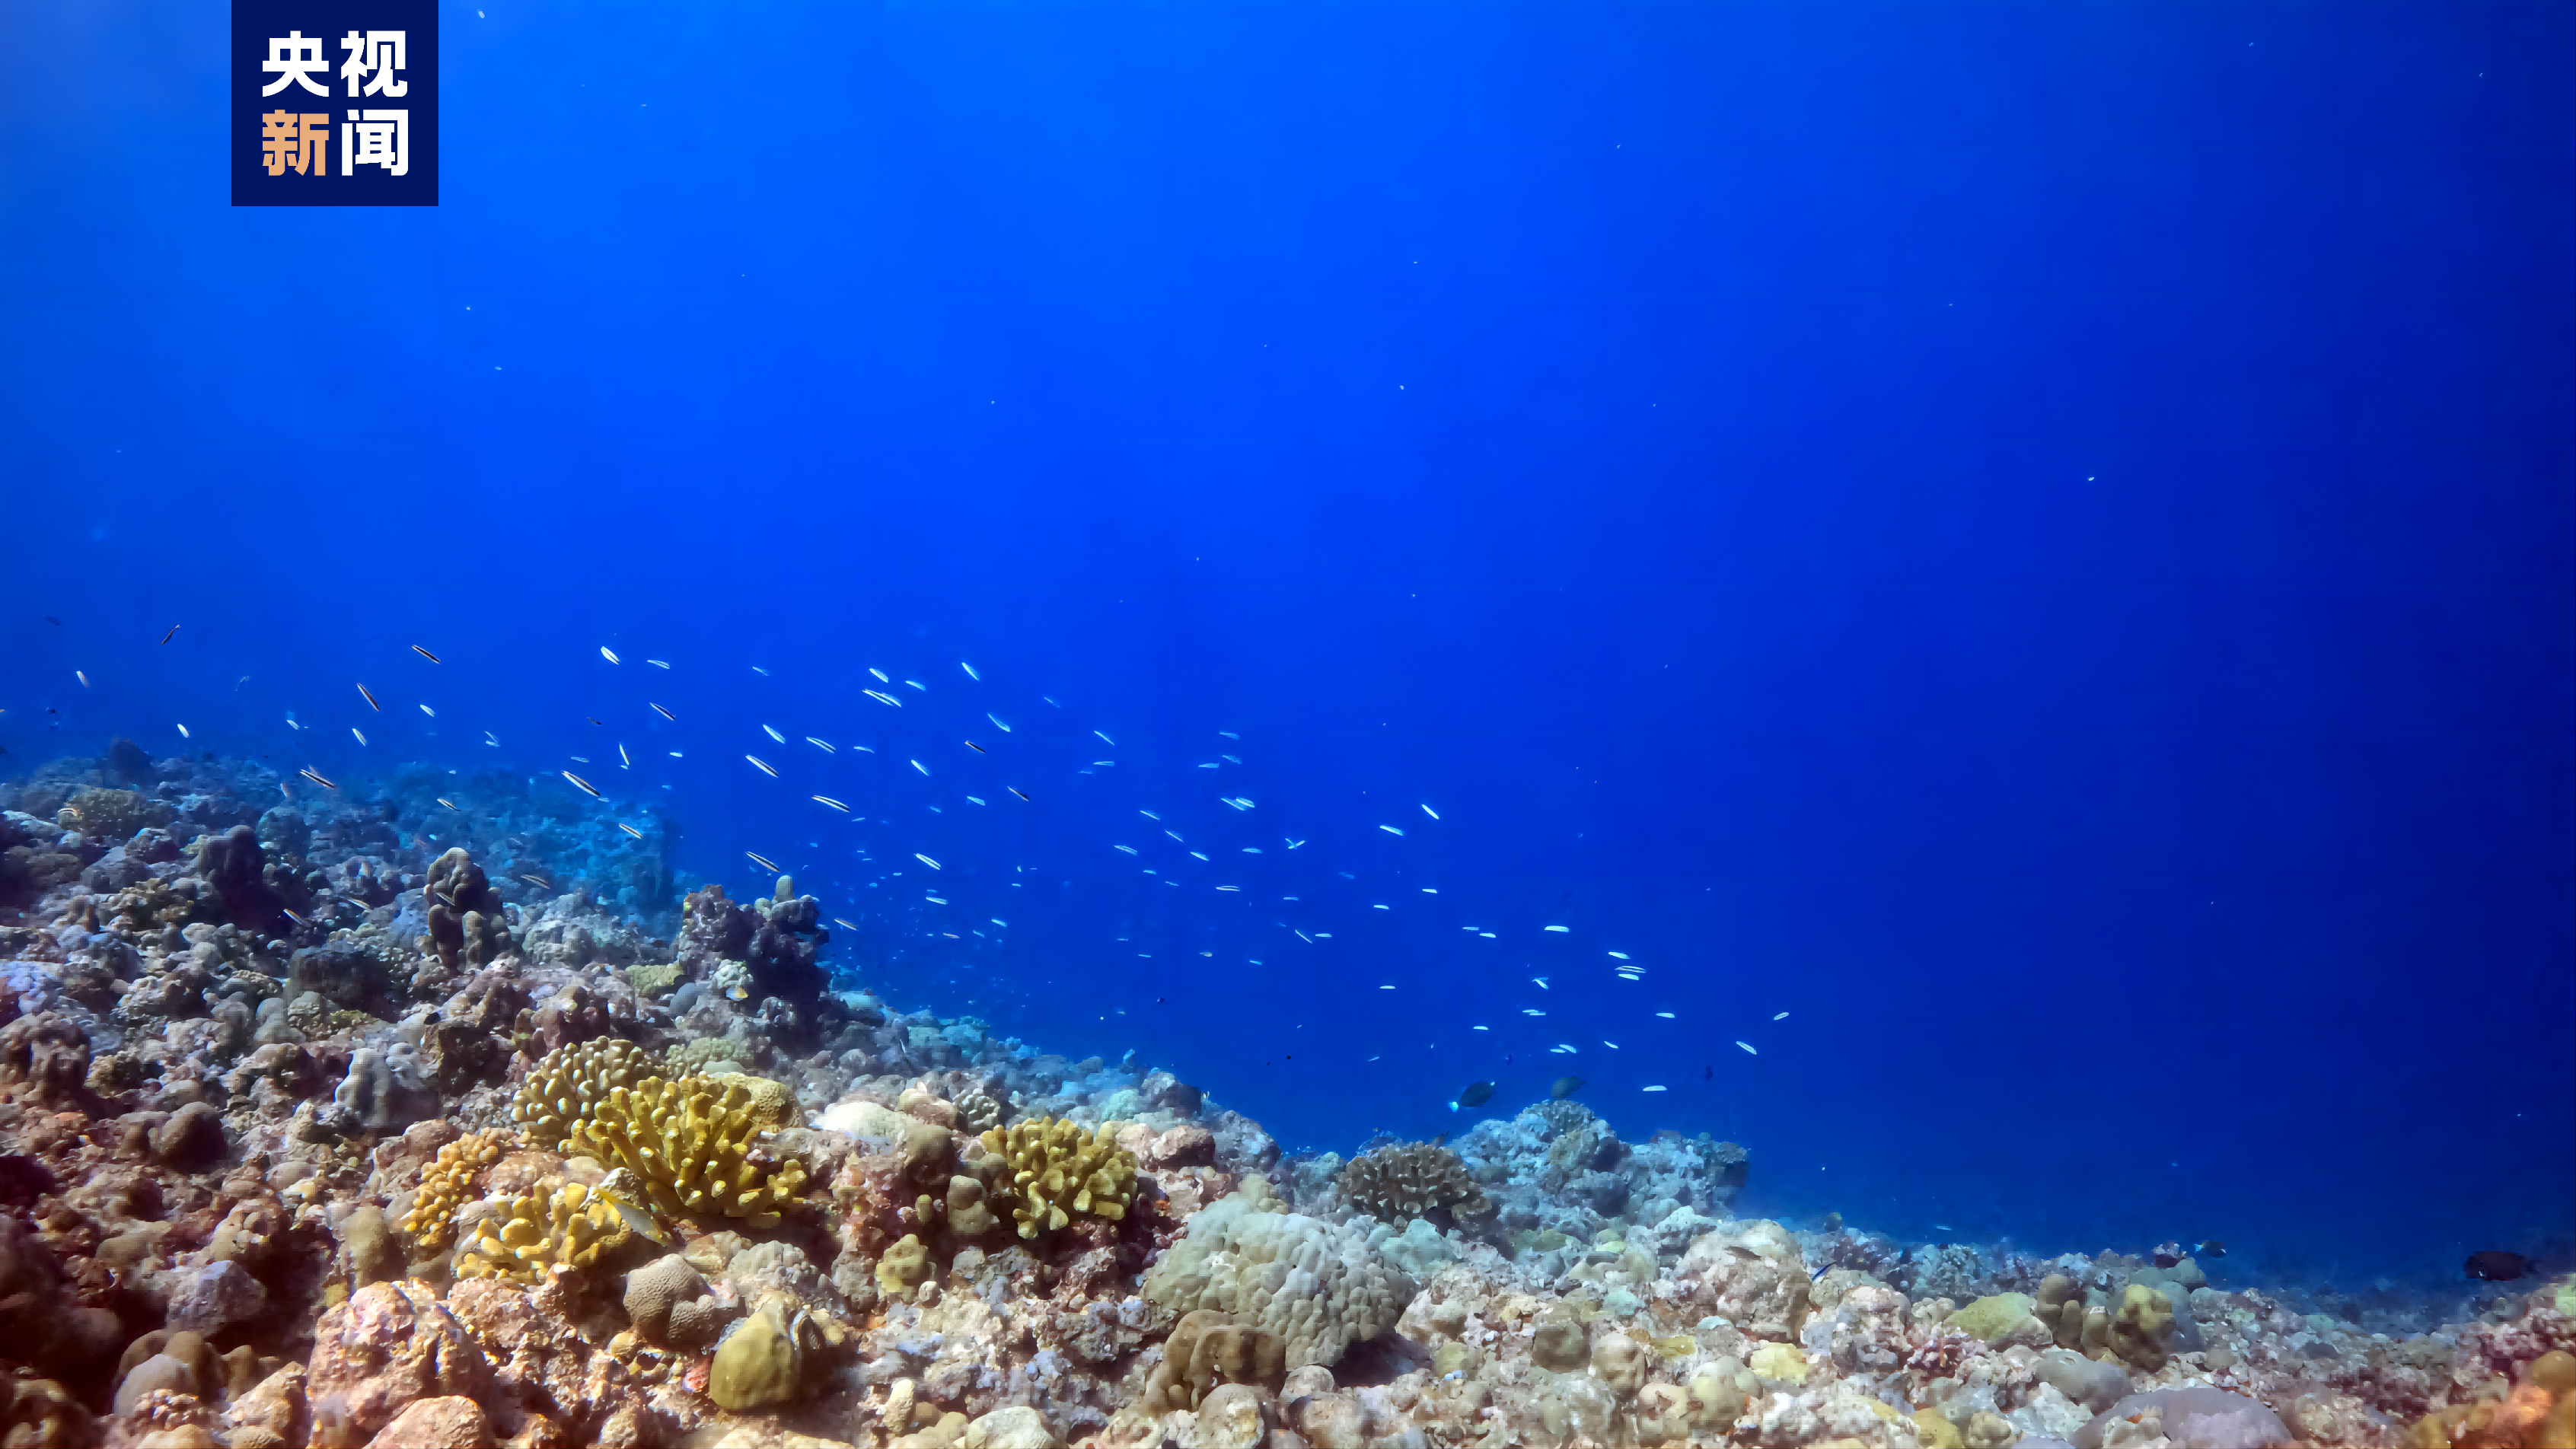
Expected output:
(2034, 540)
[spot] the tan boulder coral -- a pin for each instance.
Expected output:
(668, 1302)
(1058, 1169)
(571, 1082)
(694, 1147)
(567, 1225)
(905, 1267)
(1319, 1286)
(465, 922)
(1754, 1276)
(448, 1184)
(1412, 1180)
(1207, 1349)
(765, 1361)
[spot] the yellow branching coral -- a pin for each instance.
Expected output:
(448, 1184)
(694, 1147)
(1058, 1169)
(571, 1083)
(568, 1225)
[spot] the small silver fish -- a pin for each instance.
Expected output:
(425, 654)
(183, 733)
(631, 830)
(361, 734)
(764, 862)
(767, 767)
(962, 664)
(591, 789)
(317, 779)
(926, 860)
(365, 694)
(772, 732)
(623, 761)
(664, 713)
(609, 654)
(835, 804)
(443, 800)
(824, 745)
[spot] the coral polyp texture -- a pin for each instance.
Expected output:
(429, 1161)
(1058, 1170)
(697, 1148)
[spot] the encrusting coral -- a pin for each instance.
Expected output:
(695, 1148)
(448, 1184)
(570, 1083)
(1058, 1169)
(1412, 1180)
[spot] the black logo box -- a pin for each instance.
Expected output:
(320, 128)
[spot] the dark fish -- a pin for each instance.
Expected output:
(1564, 1087)
(2209, 1248)
(664, 713)
(593, 721)
(1705, 1073)
(425, 654)
(50, 619)
(173, 634)
(1476, 1095)
(764, 862)
(979, 749)
(1016, 790)
(1440, 1141)
(370, 699)
(317, 779)
(589, 788)
(2497, 1267)
(538, 882)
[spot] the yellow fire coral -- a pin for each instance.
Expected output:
(571, 1083)
(1058, 1169)
(448, 1184)
(568, 1225)
(694, 1146)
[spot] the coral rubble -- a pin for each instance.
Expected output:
(319, 1130)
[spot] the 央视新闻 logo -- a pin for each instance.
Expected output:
(335, 103)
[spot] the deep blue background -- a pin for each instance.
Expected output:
(2035, 538)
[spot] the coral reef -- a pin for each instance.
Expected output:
(322, 1124)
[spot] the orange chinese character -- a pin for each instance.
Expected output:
(302, 141)
(278, 141)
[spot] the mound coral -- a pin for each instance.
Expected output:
(1057, 1170)
(448, 1184)
(466, 926)
(695, 1148)
(1413, 1180)
(566, 1225)
(570, 1084)
(1207, 1349)
(1318, 1286)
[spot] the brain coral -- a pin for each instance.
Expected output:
(1318, 1286)
(1057, 1170)
(569, 1225)
(446, 1185)
(695, 1147)
(1408, 1181)
(571, 1082)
